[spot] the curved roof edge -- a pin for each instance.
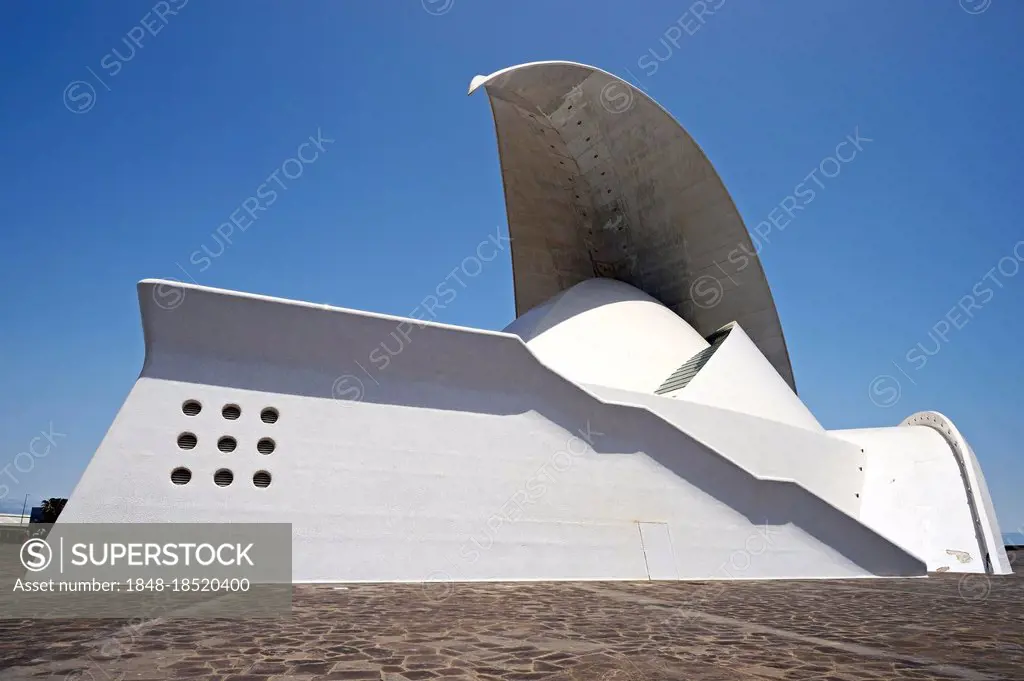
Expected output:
(601, 181)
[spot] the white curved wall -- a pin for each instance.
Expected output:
(914, 494)
(606, 332)
(740, 378)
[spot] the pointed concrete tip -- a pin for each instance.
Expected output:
(153, 281)
(475, 83)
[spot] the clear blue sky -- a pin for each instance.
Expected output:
(181, 130)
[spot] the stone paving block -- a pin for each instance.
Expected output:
(856, 630)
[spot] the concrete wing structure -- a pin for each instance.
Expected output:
(600, 181)
(608, 432)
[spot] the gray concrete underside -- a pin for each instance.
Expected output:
(601, 182)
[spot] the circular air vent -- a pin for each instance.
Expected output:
(188, 440)
(265, 446)
(191, 408)
(261, 479)
(268, 415)
(227, 444)
(181, 476)
(223, 477)
(231, 412)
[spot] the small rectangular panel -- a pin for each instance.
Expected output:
(657, 545)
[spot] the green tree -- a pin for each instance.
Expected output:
(52, 509)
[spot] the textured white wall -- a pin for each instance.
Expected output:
(915, 495)
(609, 333)
(982, 508)
(465, 458)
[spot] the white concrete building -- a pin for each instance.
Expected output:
(627, 425)
(14, 518)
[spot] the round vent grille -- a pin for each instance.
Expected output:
(191, 408)
(188, 440)
(223, 477)
(268, 415)
(265, 446)
(231, 412)
(181, 476)
(227, 444)
(261, 479)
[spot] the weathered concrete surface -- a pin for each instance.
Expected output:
(968, 627)
(601, 182)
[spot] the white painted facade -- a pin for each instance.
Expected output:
(738, 377)
(605, 434)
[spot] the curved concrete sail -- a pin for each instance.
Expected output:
(600, 181)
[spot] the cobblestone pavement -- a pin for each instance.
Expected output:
(942, 627)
